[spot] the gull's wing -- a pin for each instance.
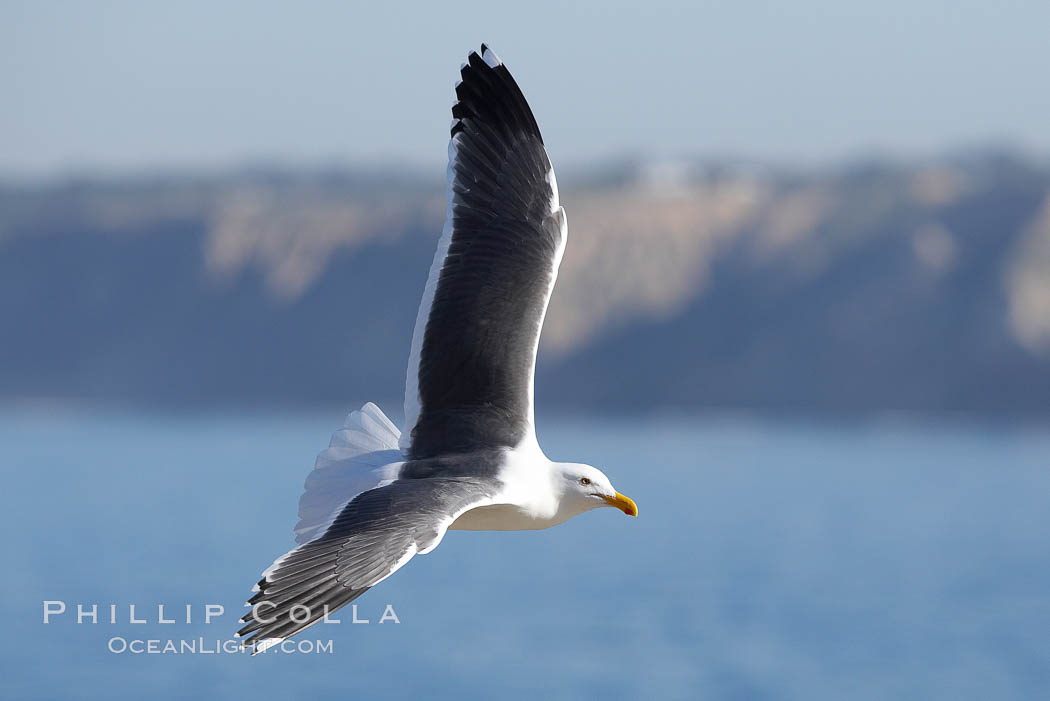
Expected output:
(370, 539)
(470, 371)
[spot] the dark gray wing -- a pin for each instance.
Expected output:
(370, 539)
(470, 376)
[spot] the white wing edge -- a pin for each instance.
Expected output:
(558, 211)
(412, 401)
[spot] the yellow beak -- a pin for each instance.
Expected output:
(624, 504)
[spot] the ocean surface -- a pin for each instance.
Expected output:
(896, 559)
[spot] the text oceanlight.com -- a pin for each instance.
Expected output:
(119, 646)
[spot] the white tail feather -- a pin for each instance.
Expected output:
(362, 455)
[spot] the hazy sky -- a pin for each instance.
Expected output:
(130, 85)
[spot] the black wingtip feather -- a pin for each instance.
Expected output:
(491, 95)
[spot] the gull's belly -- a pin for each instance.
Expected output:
(501, 517)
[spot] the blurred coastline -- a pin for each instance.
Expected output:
(917, 286)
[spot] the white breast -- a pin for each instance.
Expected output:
(528, 500)
(500, 517)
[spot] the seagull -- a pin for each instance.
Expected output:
(468, 458)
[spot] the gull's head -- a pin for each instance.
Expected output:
(584, 487)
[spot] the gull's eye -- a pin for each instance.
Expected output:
(585, 481)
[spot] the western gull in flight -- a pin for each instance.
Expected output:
(468, 458)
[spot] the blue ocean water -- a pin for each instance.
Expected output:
(886, 560)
